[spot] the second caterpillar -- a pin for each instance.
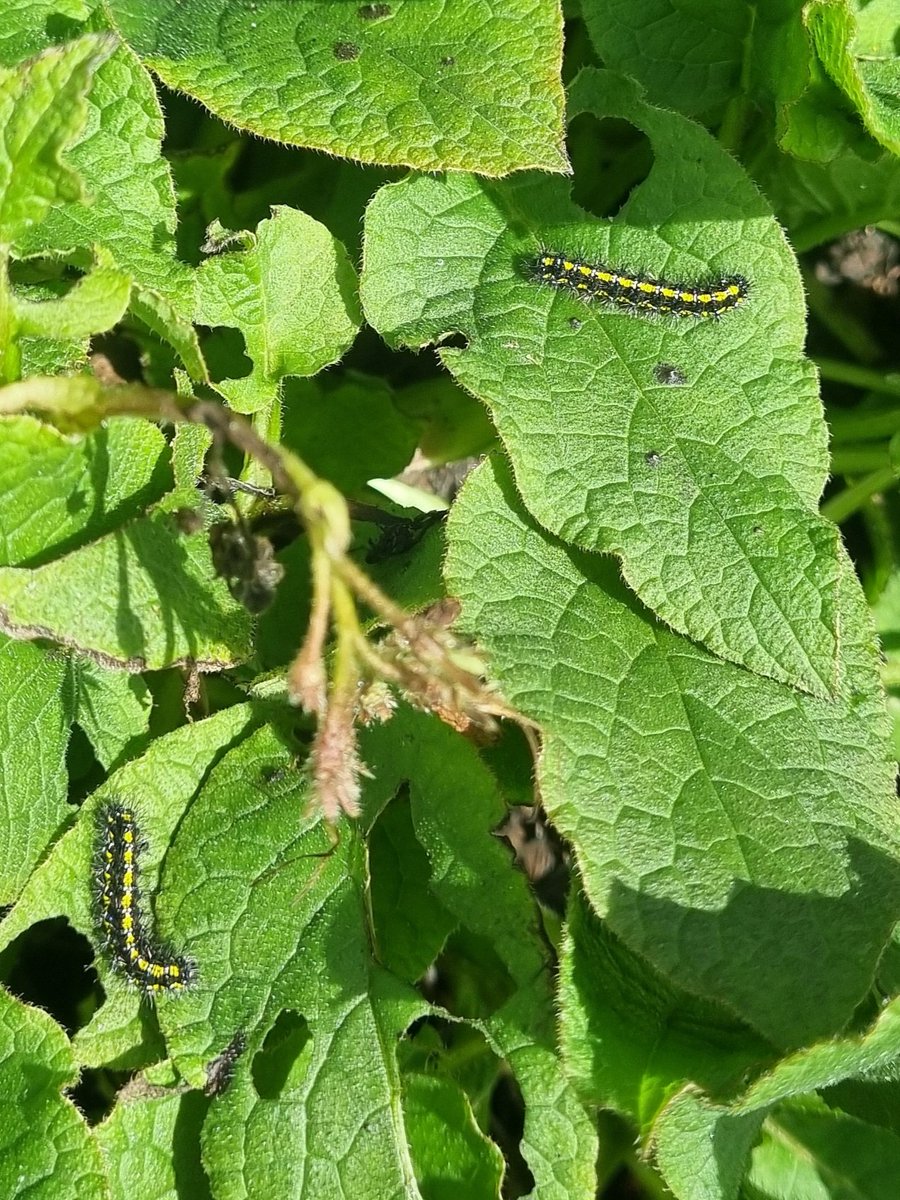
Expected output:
(126, 931)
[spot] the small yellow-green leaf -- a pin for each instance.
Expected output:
(94, 305)
(859, 52)
(292, 294)
(43, 108)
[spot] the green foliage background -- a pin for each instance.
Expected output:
(669, 578)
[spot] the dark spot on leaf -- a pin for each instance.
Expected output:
(448, 61)
(667, 374)
(373, 12)
(653, 458)
(575, 323)
(272, 774)
(345, 51)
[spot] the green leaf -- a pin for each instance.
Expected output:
(42, 111)
(453, 424)
(36, 708)
(281, 628)
(335, 191)
(829, 1062)
(129, 201)
(729, 63)
(47, 289)
(630, 1039)
(267, 903)
(451, 1155)
(435, 84)
(46, 1150)
(151, 1148)
(142, 593)
(454, 805)
(811, 118)
(41, 356)
(163, 318)
(813, 123)
(702, 1151)
(807, 1150)
(875, 1101)
(886, 612)
(820, 201)
(820, 170)
(155, 601)
(409, 568)
(706, 489)
(412, 923)
(161, 783)
(24, 32)
(812, 1153)
(57, 493)
(113, 710)
(690, 1124)
(686, 55)
(860, 54)
(189, 449)
(347, 430)
(94, 305)
(737, 834)
(128, 205)
(288, 329)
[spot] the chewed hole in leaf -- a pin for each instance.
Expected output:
(35, 964)
(610, 158)
(226, 354)
(469, 978)
(283, 1060)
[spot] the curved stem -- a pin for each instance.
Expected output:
(844, 504)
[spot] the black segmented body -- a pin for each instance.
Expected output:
(123, 925)
(628, 290)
